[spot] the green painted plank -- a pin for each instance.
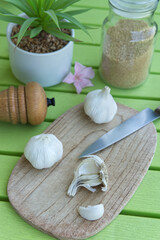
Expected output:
(157, 44)
(7, 163)
(157, 20)
(95, 34)
(86, 54)
(144, 91)
(6, 76)
(3, 27)
(158, 9)
(145, 201)
(155, 67)
(12, 227)
(92, 3)
(156, 160)
(3, 47)
(13, 138)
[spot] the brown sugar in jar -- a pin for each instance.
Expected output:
(127, 52)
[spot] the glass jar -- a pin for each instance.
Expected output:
(128, 42)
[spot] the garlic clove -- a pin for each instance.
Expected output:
(92, 213)
(90, 173)
(100, 106)
(43, 151)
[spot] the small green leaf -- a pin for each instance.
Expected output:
(41, 7)
(61, 35)
(35, 31)
(32, 4)
(24, 28)
(48, 4)
(22, 6)
(72, 20)
(12, 18)
(4, 11)
(76, 12)
(27, 33)
(53, 16)
(69, 25)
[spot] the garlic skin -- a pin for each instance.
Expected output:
(90, 173)
(43, 150)
(100, 106)
(92, 213)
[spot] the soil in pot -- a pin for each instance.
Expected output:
(42, 43)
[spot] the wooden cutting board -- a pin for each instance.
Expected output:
(39, 196)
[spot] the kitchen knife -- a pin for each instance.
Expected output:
(123, 130)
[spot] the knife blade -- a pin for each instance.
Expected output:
(123, 130)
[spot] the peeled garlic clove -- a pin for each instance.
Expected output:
(43, 151)
(92, 212)
(100, 106)
(90, 173)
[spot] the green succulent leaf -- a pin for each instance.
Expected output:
(24, 28)
(69, 25)
(61, 4)
(21, 4)
(76, 12)
(33, 4)
(27, 33)
(48, 4)
(53, 16)
(12, 18)
(61, 35)
(35, 31)
(43, 13)
(4, 11)
(72, 20)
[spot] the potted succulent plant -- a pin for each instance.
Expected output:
(41, 39)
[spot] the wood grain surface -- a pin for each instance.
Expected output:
(39, 196)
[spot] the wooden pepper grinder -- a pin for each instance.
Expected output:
(25, 104)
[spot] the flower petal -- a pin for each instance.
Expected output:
(87, 73)
(78, 67)
(69, 78)
(83, 71)
(78, 87)
(85, 83)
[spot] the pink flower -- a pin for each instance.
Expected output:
(81, 77)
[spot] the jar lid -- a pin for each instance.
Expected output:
(135, 6)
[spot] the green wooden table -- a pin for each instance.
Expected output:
(140, 219)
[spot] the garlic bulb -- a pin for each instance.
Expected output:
(100, 106)
(43, 150)
(92, 212)
(90, 173)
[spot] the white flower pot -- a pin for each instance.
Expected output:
(47, 69)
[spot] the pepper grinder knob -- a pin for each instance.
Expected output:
(25, 104)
